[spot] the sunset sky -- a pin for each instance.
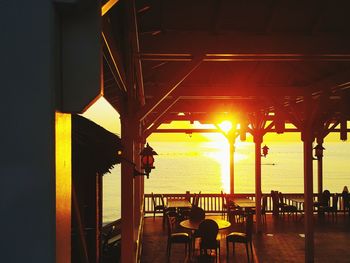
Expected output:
(104, 114)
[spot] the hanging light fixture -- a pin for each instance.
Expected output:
(147, 161)
(319, 151)
(265, 151)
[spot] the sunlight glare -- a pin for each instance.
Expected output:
(225, 126)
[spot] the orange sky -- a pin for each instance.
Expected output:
(104, 114)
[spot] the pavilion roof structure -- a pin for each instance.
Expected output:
(197, 60)
(267, 63)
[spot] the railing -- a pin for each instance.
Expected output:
(111, 232)
(212, 203)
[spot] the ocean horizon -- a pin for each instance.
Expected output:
(204, 166)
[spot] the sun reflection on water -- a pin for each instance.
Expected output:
(221, 154)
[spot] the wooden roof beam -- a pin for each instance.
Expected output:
(237, 57)
(107, 6)
(173, 85)
(135, 50)
(234, 43)
(113, 57)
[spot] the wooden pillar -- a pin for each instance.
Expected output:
(137, 187)
(320, 174)
(307, 139)
(258, 141)
(232, 165)
(127, 193)
(320, 167)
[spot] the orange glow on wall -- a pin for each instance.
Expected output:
(63, 127)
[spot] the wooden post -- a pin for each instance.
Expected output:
(320, 174)
(258, 141)
(307, 139)
(127, 193)
(232, 165)
(137, 187)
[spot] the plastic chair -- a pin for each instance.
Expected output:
(208, 230)
(239, 237)
(176, 237)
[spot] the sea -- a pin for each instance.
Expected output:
(204, 166)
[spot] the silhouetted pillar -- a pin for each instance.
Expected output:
(232, 165)
(258, 141)
(127, 192)
(137, 189)
(320, 168)
(307, 139)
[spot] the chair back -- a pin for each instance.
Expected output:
(249, 226)
(162, 200)
(197, 214)
(346, 199)
(325, 198)
(194, 199)
(223, 199)
(153, 199)
(275, 202)
(264, 204)
(335, 202)
(208, 230)
(171, 222)
(280, 198)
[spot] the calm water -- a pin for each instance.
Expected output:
(194, 167)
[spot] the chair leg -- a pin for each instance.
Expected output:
(168, 250)
(246, 248)
(227, 250)
(251, 249)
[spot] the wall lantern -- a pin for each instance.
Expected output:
(319, 151)
(147, 160)
(265, 151)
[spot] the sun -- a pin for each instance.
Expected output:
(225, 126)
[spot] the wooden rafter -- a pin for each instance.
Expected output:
(174, 83)
(113, 56)
(107, 6)
(136, 49)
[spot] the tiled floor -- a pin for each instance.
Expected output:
(282, 240)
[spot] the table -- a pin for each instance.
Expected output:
(245, 203)
(178, 203)
(193, 225)
(298, 201)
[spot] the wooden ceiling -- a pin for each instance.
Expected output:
(207, 57)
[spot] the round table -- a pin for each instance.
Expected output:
(193, 225)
